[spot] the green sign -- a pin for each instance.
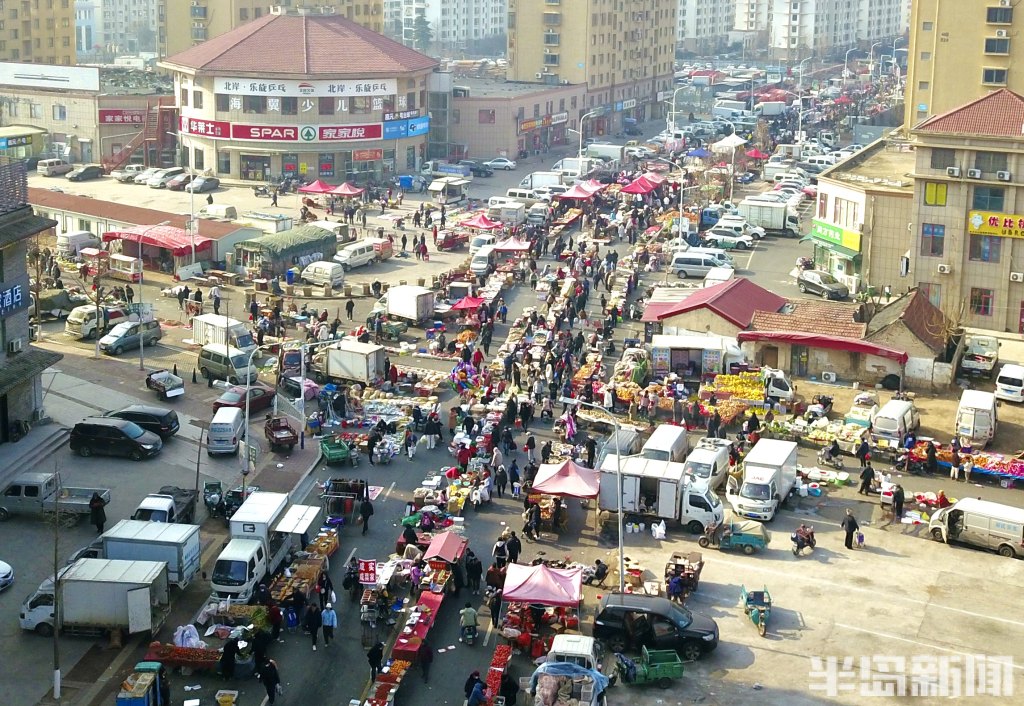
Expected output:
(308, 133)
(834, 235)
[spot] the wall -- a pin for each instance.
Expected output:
(886, 240)
(701, 320)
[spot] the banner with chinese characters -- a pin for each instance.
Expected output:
(305, 89)
(1000, 225)
(13, 296)
(368, 571)
(122, 117)
(221, 129)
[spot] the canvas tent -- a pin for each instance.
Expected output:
(543, 585)
(566, 478)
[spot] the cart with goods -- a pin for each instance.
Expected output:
(184, 658)
(280, 433)
(747, 535)
(166, 384)
(389, 330)
(655, 666)
(686, 566)
(758, 607)
(336, 449)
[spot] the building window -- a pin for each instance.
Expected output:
(988, 198)
(926, 56)
(224, 162)
(60, 112)
(822, 205)
(551, 59)
(254, 104)
(933, 240)
(360, 104)
(326, 105)
(552, 39)
(243, 14)
(198, 13)
(943, 158)
(184, 98)
(981, 301)
(999, 15)
(997, 46)
(990, 162)
(289, 106)
(932, 291)
(994, 77)
(935, 193)
(985, 248)
(198, 159)
(552, 19)
(923, 85)
(197, 99)
(486, 117)
(222, 102)
(456, 116)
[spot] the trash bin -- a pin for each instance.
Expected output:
(291, 275)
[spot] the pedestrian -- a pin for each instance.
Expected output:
(850, 527)
(129, 294)
(97, 513)
(365, 513)
(375, 656)
(329, 620)
(209, 199)
(271, 679)
(500, 478)
(324, 589)
(312, 622)
(514, 547)
(898, 499)
(494, 605)
(500, 553)
(227, 658)
(182, 296)
(968, 467)
(471, 683)
(531, 448)
(276, 619)
(866, 477)
(954, 467)
(425, 657)
(474, 572)
(214, 296)
(863, 452)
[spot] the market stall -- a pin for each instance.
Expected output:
(540, 601)
(555, 481)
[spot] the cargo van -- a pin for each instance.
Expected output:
(695, 264)
(821, 160)
(324, 273)
(221, 362)
(226, 429)
(356, 254)
(219, 210)
(485, 259)
(70, 244)
(667, 443)
(527, 196)
(1010, 383)
(976, 418)
(708, 463)
(893, 422)
(53, 167)
(481, 241)
(980, 523)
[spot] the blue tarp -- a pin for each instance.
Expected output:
(568, 669)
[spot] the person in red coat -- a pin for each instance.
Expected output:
(463, 457)
(393, 375)
(478, 358)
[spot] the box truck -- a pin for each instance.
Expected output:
(539, 179)
(178, 546)
(769, 474)
(776, 218)
(349, 360)
(99, 595)
(407, 302)
(215, 328)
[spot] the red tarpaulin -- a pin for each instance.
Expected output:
(638, 186)
(835, 343)
(593, 186)
(177, 240)
(843, 100)
(346, 189)
(467, 304)
(512, 245)
(480, 222)
(577, 193)
(317, 187)
(447, 546)
(543, 585)
(566, 478)
(757, 154)
(653, 178)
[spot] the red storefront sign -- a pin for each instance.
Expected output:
(274, 133)
(368, 571)
(208, 128)
(373, 131)
(122, 117)
(367, 155)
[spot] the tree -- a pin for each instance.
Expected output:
(145, 37)
(423, 34)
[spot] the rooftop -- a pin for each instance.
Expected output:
(997, 114)
(735, 301)
(498, 88)
(825, 318)
(881, 166)
(303, 46)
(919, 315)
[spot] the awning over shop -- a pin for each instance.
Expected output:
(835, 343)
(543, 585)
(177, 240)
(568, 479)
(832, 247)
(447, 546)
(577, 193)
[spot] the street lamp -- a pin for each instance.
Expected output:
(248, 386)
(674, 104)
(142, 272)
(591, 114)
(846, 63)
(618, 476)
(872, 56)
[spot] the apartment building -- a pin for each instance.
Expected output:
(455, 24)
(703, 26)
(621, 49)
(38, 31)
(973, 41)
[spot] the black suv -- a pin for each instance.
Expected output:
(162, 422)
(477, 169)
(627, 620)
(108, 436)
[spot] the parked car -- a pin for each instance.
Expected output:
(727, 236)
(107, 436)
(161, 421)
(260, 397)
(128, 334)
(179, 182)
(501, 163)
(821, 283)
(632, 620)
(145, 175)
(477, 169)
(161, 177)
(6, 575)
(91, 171)
(633, 130)
(202, 184)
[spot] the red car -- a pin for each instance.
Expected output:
(260, 397)
(179, 182)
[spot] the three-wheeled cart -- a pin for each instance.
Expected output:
(280, 433)
(657, 666)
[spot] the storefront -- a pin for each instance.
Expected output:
(20, 141)
(539, 134)
(837, 251)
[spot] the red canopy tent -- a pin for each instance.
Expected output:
(638, 186)
(577, 193)
(757, 154)
(481, 222)
(566, 478)
(177, 240)
(592, 186)
(513, 245)
(543, 585)
(446, 546)
(346, 189)
(317, 187)
(654, 178)
(468, 304)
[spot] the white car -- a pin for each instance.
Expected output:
(740, 227)
(501, 163)
(6, 575)
(719, 236)
(638, 152)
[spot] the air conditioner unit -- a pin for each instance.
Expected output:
(974, 174)
(565, 82)
(538, 75)
(953, 171)
(1017, 276)
(547, 51)
(15, 345)
(1002, 34)
(828, 376)
(1003, 176)
(944, 269)
(1005, 3)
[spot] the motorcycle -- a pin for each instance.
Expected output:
(805, 263)
(469, 634)
(800, 542)
(827, 459)
(905, 463)
(263, 191)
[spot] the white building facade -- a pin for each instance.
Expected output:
(454, 23)
(797, 29)
(703, 26)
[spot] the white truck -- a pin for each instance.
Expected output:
(776, 218)
(216, 328)
(81, 322)
(70, 244)
(606, 153)
(179, 546)
(539, 179)
(98, 596)
(172, 504)
(659, 489)
(407, 302)
(769, 474)
(770, 109)
(262, 531)
(981, 356)
(349, 360)
(435, 167)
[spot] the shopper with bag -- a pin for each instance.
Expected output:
(325, 589)
(329, 620)
(271, 679)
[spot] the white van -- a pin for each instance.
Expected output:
(226, 430)
(981, 523)
(667, 443)
(499, 201)
(527, 196)
(324, 273)
(1010, 383)
(53, 167)
(356, 254)
(821, 160)
(70, 244)
(893, 422)
(484, 259)
(690, 263)
(219, 210)
(976, 418)
(481, 241)
(708, 463)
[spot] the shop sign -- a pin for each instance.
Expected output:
(13, 296)
(419, 126)
(121, 117)
(559, 118)
(546, 121)
(280, 133)
(999, 225)
(834, 235)
(367, 155)
(19, 141)
(326, 165)
(631, 103)
(368, 571)
(206, 128)
(273, 133)
(305, 89)
(351, 132)
(404, 115)
(662, 96)
(396, 129)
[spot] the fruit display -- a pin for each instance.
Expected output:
(191, 657)
(983, 462)
(283, 587)
(245, 615)
(744, 386)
